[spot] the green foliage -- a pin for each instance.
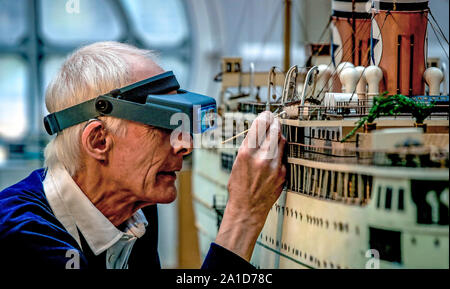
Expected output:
(391, 105)
(420, 110)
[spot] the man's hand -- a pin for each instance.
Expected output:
(255, 184)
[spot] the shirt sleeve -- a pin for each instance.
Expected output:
(31, 237)
(221, 259)
(39, 249)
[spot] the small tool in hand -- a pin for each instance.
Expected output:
(241, 133)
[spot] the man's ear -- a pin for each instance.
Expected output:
(96, 141)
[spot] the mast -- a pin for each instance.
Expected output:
(354, 32)
(287, 35)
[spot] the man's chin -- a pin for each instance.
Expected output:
(168, 195)
(165, 190)
(168, 200)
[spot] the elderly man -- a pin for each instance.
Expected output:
(94, 203)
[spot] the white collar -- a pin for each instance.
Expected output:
(74, 210)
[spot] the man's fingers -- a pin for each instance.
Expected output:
(257, 133)
(281, 157)
(279, 161)
(269, 147)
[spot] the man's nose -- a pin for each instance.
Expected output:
(183, 146)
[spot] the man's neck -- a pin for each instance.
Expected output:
(116, 204)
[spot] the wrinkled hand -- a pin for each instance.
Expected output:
(258, 174)
(255, 183)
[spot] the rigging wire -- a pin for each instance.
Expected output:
(336, 73)
(297, 10)
(439, 41)
(368, 61)
(440, 30)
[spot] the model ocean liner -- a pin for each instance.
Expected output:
(374, 196)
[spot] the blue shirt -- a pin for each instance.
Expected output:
(32, 237)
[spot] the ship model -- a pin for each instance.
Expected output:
(366, 123)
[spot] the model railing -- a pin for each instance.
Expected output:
(333, 110)
(412, 156)
(345, 109)
(351, 188)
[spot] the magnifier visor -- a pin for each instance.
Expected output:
(146, 102)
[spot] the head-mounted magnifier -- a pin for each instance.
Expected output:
(146, 102)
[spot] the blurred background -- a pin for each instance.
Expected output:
(191, 37)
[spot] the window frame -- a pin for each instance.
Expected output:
(35, 49)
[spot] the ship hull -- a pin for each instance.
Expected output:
(306, 232)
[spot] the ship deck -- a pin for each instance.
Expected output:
(350, 122)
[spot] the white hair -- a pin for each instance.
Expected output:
(88, 72)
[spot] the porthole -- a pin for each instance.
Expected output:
(436, 242)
